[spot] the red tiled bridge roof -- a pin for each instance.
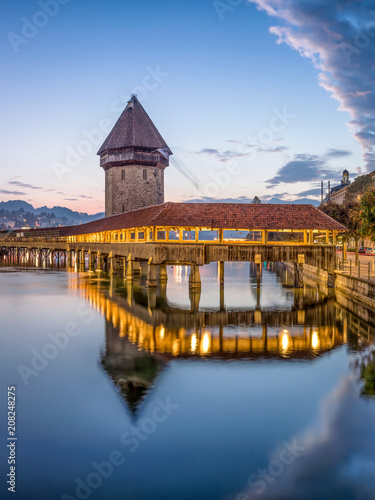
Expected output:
(214, 215)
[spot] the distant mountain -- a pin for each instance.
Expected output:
(71, 214)
(16, 205)
(78, 217)
(300, 201)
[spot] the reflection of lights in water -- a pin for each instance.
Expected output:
(315, 340)
(176, 347)
(285, 341)
(205, 343)
(177, 273)
(194, 342)
(185, 341)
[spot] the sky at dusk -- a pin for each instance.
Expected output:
(257, 97)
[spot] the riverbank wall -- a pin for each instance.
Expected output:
(350, 288)
(356, 288)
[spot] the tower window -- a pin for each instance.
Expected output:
(123, 174)
(144, 174)
(123, 208)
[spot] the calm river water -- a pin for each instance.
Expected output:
(129, 394)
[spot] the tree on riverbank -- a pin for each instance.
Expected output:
(367, 214)
(358, 188)
(357, 212)
(368, 376)
(347, 214)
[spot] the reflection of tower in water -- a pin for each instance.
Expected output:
(132, 370)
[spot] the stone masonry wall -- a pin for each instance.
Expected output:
(134, 191)
(356, 288)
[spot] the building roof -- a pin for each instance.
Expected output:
(134, 128)
(338, 188)
(216, 215)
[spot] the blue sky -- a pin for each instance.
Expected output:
(215, 77)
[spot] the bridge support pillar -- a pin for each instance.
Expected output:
(129, 293)
(122, 267)
(77, 255)
(195, 297)
(99, 263)
(112, 262)
(151, 274)
(163, 290)
(129, 269)
(151, 298)
(265, 338)
(221, 282)
(163, 275)
(137, 267)
(222, 301)
(82, 260)
(298, 276)
(259, 274)
(194, 277)
(111, 285)
(221, 273)
(91, 262)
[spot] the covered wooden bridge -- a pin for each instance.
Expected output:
(193, 234)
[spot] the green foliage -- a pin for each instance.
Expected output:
(367, 214)
(358, 188)
(357, 213)
(347, 214)
(368, 375)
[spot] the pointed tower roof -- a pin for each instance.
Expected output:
(134, 128)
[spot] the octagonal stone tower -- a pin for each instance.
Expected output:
(134, 157)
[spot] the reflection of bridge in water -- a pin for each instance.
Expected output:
(306, 330)
(144, 333)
